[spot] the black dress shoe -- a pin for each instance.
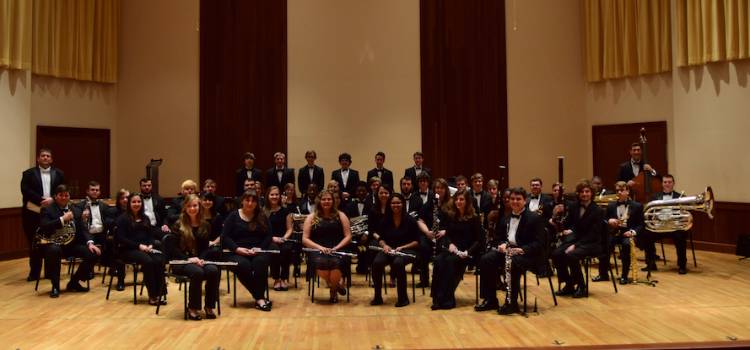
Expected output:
(682, 271)
(600, 278)
(210, 315)
(508, 309)
(376, 301)
(650, 267)
(265, 307)
(422, 285)
(31, 278)
(402, 303)
(55, 293)
(120, 286)
(580, 292)
(73, 286)
(486, 306)
(567, 290)
(157, 302)
(435, 307)
(196, 317)
(624, 280)
(341, 291)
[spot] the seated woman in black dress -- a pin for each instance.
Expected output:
(281, 228)
(245, 232)
(190, 241)
(327, 230)
(462, 240)
(398, 233)
(135, 235)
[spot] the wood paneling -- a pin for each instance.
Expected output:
(243, 86)
(720, 234)
(464, 88)
(611, 147)
(81, 153)
(12, 240)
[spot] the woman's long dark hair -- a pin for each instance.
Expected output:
(141, 213)
(259, 217)
(388, 219)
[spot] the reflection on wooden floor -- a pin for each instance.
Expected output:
(709, 304)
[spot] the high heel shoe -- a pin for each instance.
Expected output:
(210, 313)
(265, 307)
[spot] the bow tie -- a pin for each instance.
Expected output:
(279, 170)
(515, 216)
(422, 193)
(668, 193)
(94, 203)
(534, 197)
(45, 171)
(415, 168)
(146, 196)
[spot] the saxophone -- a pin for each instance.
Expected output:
(631, 241)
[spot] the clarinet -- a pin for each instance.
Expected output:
(435, 223)
(508, 263)
(393, 252)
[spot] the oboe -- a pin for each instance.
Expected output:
(217, 263)
(393, 252)
(335, 252)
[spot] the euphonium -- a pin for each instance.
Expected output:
(668, 215)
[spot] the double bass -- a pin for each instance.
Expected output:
(645, 183)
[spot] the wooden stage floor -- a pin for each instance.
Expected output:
(709, 304)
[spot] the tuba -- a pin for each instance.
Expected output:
(668, 215)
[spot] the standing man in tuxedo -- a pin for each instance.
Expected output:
(60, 215)
(634, 166)
(678, 237)
(539, 202)
(385, 175)
(154, 206)
(346, 177)
(522, 235)
(248, 171)
(625, 221)
(37, 184)
(279, 175)
(418, 168)
(310, 173)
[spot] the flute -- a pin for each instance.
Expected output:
(313, 250)
(393, 252)
(292, 240)
(269, 251)
(217, 263)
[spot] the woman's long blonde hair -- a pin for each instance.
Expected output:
(185, 230)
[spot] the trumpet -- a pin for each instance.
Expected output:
(668, 215)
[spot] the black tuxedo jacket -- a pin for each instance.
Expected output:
(626, 171)
(413, 204)
(303, 178)
(485, 202)
(241, 175)
(108, 213)
(547, 204)
(50, 221)
(31, 184)
(635, 215)
(352, 208)
(587, 229)
(351, 182)
(411, 173)
(529, 235)
(160, 209)
(305, 206)
(386, 179)
(272, 178)
(430, 196)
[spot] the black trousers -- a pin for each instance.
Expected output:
(152, 266)
(252, 271)
(280, 262)
(490, 263)
(568, 265)
(426, 250)
(604, 264)
(398, 270)
(30, 222)
(446, 275)
(53, 253)
(198, 274)
(680, 244)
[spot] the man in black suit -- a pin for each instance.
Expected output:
(633, 167)
(279, 175)
(482, 201)
(62, 216)
(310, 173)
(521, 235)
(423, 188)
(385, 175)
(539, 202)
(582, 234)
(154, 206)
(625, 220)
(37, 184)
(678, 237)
(248, 171)
(346, 177)
(413, 201)
(360, 205)
(209, 186)
(597, 186)
(418, 168)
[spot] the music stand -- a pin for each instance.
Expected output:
(152, 172)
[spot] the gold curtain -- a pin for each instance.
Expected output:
(712, 31)
(15, 34)
(76, 39)
(626, 38)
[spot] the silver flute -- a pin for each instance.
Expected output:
(335, 252)
(217, 263)
(392, 252)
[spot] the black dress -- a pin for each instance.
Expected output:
(407, 232)
(327, 233)
(280, 262)
(252, 271)
(129, 236)
(449, 268)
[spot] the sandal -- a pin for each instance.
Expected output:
(265, 307)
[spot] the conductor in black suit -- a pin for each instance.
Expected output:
(634, 166)
(279, 175)
(310, 173)
(37, 185)
(385, 175)
(248, 171)
(346, 177)
(62, 216)
(522, 234)
(418, 168)
(582, 234)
